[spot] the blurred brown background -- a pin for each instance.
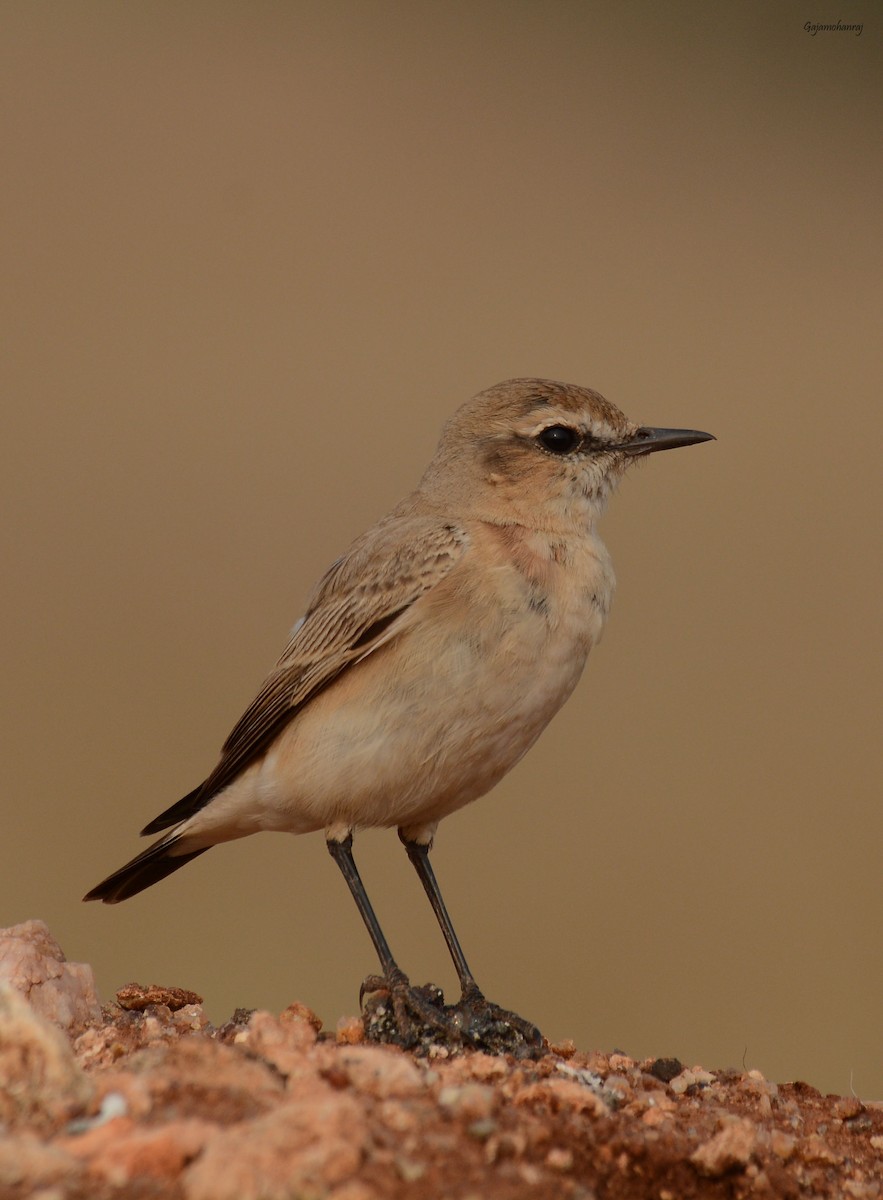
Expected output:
(254, 254)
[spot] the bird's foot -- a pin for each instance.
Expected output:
(417, 1018)
(395, 1011)
(497, 1030)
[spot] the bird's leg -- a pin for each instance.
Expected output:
(484, 1023)
(408, 1003)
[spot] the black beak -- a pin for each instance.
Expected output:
(646, 440)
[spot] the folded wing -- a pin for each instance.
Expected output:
(360, 603)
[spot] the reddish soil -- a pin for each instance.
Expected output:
(151, 1101)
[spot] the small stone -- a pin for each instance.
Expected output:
(816, 1149)
(692, 1077)
(409, 1170)
(281, 1045)
(559, 1159)
(297, 1012)
(564, 1049)
(478, 1066)
(191, 1016)
(754, 1084)
(507, 1144)
(665, 1069)
(561, 1095)
(618, 1090)
(136, 997)
(657, 1100)
(728, 1150)
(113, 1105)
(381, 1071)
(782, 1144)
(132, 1091)
(582, 1075)
(474, 1101)
(398, 1117)
(350, 1031)
(847, 1107)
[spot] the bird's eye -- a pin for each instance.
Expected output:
(559, 439)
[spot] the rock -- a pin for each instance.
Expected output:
(691, 1077)
(151, 1102)
(135, 997)
(26, 1159)
(477, 1066)
(354, 1189)
(315, 1140)
(560, 1158)
(728, 1150)
(473, 1101)
(665, 1069)
(280, 1041)
(198, 1077)
(847, 1108)
(190, 1016)
(33, 963)
(298, 1012)
(561, 1095)
(350, 1031)
(816, 1149)
(118, 1152)
(381, 1071)
(782, 1144)
(42, 1084)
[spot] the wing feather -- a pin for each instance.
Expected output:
(359, 604)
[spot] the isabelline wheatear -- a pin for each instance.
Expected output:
(430, 657)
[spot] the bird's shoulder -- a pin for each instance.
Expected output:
(400, 555)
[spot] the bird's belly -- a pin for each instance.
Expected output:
(422, 726)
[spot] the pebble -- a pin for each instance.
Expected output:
(731, 1147)
(381, 1071)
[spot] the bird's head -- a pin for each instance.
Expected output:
(540, 453)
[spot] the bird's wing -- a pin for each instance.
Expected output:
(359, 604)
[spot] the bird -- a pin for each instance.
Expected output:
(430, 657)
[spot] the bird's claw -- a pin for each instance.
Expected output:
(487, 1022)
(396, 1011)
(417, 1018)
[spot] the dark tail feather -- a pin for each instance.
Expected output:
(148, 868)
(180, 810)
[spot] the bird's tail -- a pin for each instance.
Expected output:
(152, 865)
